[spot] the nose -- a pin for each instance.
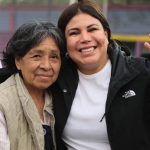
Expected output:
(46, 64)
(85, 37)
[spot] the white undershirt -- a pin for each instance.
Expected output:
(83, 130)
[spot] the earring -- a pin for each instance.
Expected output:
(67, 55)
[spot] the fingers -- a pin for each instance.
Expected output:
(147, 45)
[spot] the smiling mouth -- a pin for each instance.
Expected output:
(90, 49)
(44, 76)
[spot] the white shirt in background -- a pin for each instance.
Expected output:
(0, 64)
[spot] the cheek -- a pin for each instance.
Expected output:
(69, 47)
(104, 40)
(71, 43)
(56, 68)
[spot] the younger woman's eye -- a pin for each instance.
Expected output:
(73, 33)
(92, 29)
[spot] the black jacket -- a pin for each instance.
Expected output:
(128, 101)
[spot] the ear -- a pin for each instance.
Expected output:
(18, 63)
(106, 33)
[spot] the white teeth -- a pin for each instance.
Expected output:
(87, 49)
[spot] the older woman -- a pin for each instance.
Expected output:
(33, 59)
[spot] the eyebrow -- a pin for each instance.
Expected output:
(35, 51)
(93, 25)
(87, 27)
(72, 29)
(55, 51)
(38, 50)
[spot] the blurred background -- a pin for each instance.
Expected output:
(129, 19)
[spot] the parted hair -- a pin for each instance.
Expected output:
(26, 37)
(90, 7)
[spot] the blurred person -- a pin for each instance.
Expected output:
(104, 97)
(147, 45)
(33, 59)
(146, 55)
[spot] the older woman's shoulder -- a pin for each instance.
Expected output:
(4, 74)
(7, 83)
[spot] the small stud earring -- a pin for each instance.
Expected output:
(67, 55)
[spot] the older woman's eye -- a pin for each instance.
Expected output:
(36, 56)
(55, 56)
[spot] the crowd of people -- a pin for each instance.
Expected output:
(73, 87)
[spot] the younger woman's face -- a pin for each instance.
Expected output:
(87, 43)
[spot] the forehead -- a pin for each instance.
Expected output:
(47, 41)
(82, 19)
(46, 45)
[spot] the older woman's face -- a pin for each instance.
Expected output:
(40, 66)
(87, 43)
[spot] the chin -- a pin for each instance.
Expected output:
(43, 87)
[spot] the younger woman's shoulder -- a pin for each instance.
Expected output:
(141, 63)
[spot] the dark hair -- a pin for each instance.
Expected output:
(87, 6)
(92, 8)
(25, 38)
